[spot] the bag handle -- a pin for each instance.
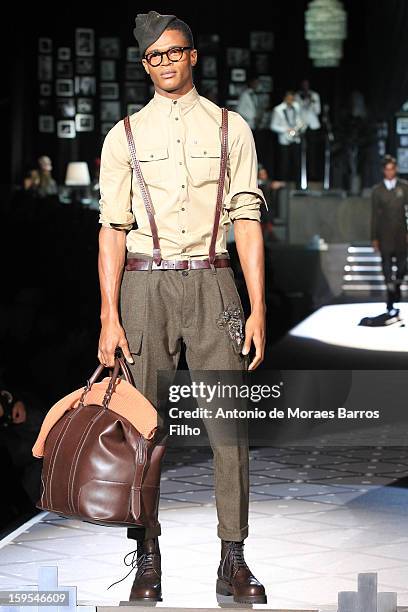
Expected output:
(120, 364)
(109, 390)
(144, 191)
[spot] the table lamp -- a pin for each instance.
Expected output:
(77, 177)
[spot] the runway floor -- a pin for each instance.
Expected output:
(318, 516)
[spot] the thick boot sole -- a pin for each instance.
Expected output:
(153, 598)
(222, 588)
(147, 599)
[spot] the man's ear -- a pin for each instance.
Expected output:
(146, 66)
(194, 57)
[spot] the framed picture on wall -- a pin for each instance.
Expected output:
(262, 63)
(64, 53)
(133, 108)
(85, 105)
(133, 54)
(45, 89)
(66, 107)
(84, 123)
(135, 72)
(46, 124)
(66, 128)
(109, 91)
(209, 67)
(261, 41)
(236, 89)
(110, 111)
(209, 88)
(84, 41)
(45, 106)
(106, 126)
(108, 70)
(402, 125)
(208, 42)
(402, 160)
(109, 47)
(238, 57)
(45, 67)
(85, 65)
(45, 45)
(85, 85)
(264, 100)
(64, 70)
(238, 75)
(265, 83)
(64, 87)
(135, 92)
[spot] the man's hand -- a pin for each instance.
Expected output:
(255, 331)
(375, 244)
(112, 335)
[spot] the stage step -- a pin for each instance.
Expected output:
(363, 271)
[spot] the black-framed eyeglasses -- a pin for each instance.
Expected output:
(173, 55)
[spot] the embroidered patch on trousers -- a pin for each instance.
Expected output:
(231, 320)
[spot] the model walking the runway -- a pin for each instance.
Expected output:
(169, 281)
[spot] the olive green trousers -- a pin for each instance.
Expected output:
(160, 310)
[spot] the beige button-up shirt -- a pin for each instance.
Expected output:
(178, 145)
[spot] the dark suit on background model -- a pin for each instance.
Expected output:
(389, 231)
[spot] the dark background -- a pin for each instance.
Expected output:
(374, 61)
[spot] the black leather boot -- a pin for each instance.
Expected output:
(234, 576)
(147, 583)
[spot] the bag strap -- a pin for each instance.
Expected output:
(221, 182)
(146, 195)
(144, 191)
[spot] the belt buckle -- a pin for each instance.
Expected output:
(189, 264)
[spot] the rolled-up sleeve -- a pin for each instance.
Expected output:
(115, 181)
(244, 198)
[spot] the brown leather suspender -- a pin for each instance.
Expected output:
(146, 195)
(145, 192)
(221, 181)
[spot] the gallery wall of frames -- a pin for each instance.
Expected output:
(85, 88)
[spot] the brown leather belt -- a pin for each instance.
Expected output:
(133, 263)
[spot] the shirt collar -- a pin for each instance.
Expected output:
(390, 183)
(185, 102)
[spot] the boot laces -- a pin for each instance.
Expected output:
(237, 551)
(143, 562)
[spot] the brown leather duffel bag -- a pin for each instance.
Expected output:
(97, 466)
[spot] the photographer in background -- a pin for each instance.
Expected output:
(20, 421)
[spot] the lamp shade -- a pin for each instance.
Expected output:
(77, 174)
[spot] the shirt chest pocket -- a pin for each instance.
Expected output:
(154, 163)
(204, 163)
